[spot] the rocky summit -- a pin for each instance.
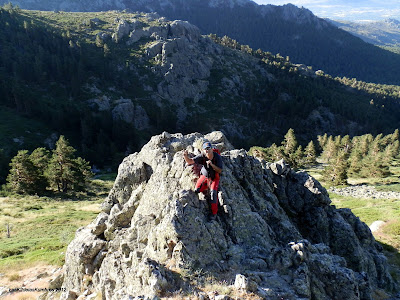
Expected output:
(276, 235)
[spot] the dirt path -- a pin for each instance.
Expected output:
(28, 283)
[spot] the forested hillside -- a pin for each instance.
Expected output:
(288, 30)
(110, 80)
(297, 33)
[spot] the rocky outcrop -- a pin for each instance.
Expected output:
(364, 191)
(126, 111)
(276, 234)
(182, 59)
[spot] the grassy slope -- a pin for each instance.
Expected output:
(42, 227)
(370, 210)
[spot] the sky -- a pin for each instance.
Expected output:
(351, 10)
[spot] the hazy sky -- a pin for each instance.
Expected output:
(346, 9)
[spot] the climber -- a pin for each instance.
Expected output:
(211, 163)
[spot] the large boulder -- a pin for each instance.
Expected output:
(276, 233)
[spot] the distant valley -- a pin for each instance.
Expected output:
(381, 33)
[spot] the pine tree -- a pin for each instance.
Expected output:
(276, 153)
(40, 158)
(322, 140)
(377, 145)
(338, 141)
(355, 162)
(82, 174)
(330, 150)
(336, 171)
(66, 172)
(296, 159)
(23, 176)
(290, 142)
(290, 147)
(395, 136)
(391, 151)
(60, 168)
(375, 166)
(395, 149)
(99, 41)
(364, 144)
(310, 154)
(346, 144)
(106, 50)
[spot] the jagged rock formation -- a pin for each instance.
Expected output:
(193, 73)
(276, 233)
(289, 30)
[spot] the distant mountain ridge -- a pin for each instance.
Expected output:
(288, 30)
(382, 33)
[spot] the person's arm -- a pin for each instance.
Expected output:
(215, 167)
(188, 160)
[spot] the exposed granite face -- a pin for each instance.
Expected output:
(275, 230)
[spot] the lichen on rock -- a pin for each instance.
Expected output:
(276, 233)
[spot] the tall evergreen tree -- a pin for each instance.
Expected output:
(395, 136)
(65, 172)
(276, 153)
(365, 142)
(355, 163)
(40, 158)
(338, 141)
(336, 171)
(23, 177)
(322, 139)
(82, 174)
(330, 150)
(375, 166)
(310, 154)
(292, 152)
(290, 142)
(391, 151)
(377, 145)
(395, 149)
(346, 144)
(296, 158)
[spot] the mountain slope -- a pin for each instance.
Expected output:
(110, 80)
(289, 30)
(381, 33)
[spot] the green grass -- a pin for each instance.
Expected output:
(42, 227)
(370, 210)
